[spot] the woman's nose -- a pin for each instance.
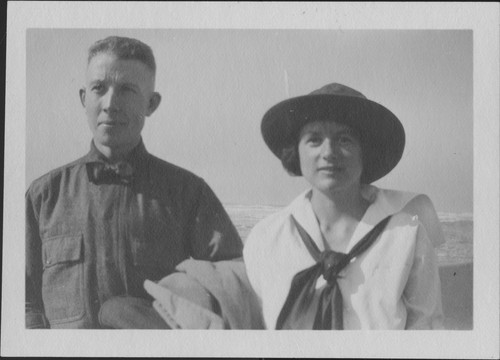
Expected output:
(329, 149)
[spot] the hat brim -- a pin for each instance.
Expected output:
(382, 134)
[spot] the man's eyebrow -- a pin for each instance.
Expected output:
(129, 84)
(101, 81)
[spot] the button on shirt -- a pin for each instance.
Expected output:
(394, 284)
(88, 241)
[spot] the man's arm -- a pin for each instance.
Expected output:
(35, 316)
(213, 235)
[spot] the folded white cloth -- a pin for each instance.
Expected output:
(180, 313)
(226, 281)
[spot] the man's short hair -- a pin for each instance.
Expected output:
(125, 49)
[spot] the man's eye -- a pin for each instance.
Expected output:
(97, 87)
(128, 89)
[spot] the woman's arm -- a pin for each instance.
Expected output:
(422, 206)
(422, 294)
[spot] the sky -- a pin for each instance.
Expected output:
(217, 84)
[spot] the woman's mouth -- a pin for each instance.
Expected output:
(331, 169)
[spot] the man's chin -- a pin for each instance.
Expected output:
(113, 143)
(105, 141)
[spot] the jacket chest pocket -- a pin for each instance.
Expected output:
(62, 289)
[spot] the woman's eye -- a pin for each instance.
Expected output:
(314, 140)
(345, 140)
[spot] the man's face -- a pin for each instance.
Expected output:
(117, 97)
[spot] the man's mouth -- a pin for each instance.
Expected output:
(110, 123)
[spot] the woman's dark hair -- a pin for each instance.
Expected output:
(290, 159)
(291, 162)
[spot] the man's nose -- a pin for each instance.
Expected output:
(110, 101)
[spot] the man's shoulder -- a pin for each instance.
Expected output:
(49, 178)
(165, 169)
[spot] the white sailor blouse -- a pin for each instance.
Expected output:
(394, 284)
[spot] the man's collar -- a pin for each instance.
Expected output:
(135, 157)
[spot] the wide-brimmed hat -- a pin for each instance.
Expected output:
(381, 133)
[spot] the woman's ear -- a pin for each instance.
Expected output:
(154, 102)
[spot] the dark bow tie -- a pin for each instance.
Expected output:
(120, 172)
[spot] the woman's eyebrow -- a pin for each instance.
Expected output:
(312, 132)
(320, 131)
(346, 132)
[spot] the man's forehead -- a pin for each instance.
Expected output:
(105, 65)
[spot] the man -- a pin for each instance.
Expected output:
(98, 227)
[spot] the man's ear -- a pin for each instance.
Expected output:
(82, 96)
(154, 102)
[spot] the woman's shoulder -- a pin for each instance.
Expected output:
(264, 236)
(413, 207)
(271, 224)
(274, 224)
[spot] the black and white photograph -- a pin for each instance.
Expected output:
(251, 167)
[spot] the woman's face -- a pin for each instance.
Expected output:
(330, 156)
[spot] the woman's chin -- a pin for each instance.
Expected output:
(332, 186)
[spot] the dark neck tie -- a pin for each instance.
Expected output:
(103, 173)
(320, 309)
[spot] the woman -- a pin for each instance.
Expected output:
(344, 254)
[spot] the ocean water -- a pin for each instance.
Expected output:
(457, 229)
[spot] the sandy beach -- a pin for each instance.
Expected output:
(457, 289)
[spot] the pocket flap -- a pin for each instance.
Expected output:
(62, 249)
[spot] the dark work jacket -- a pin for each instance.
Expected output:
(87, 242)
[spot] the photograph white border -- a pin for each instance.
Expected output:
(482, 342)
